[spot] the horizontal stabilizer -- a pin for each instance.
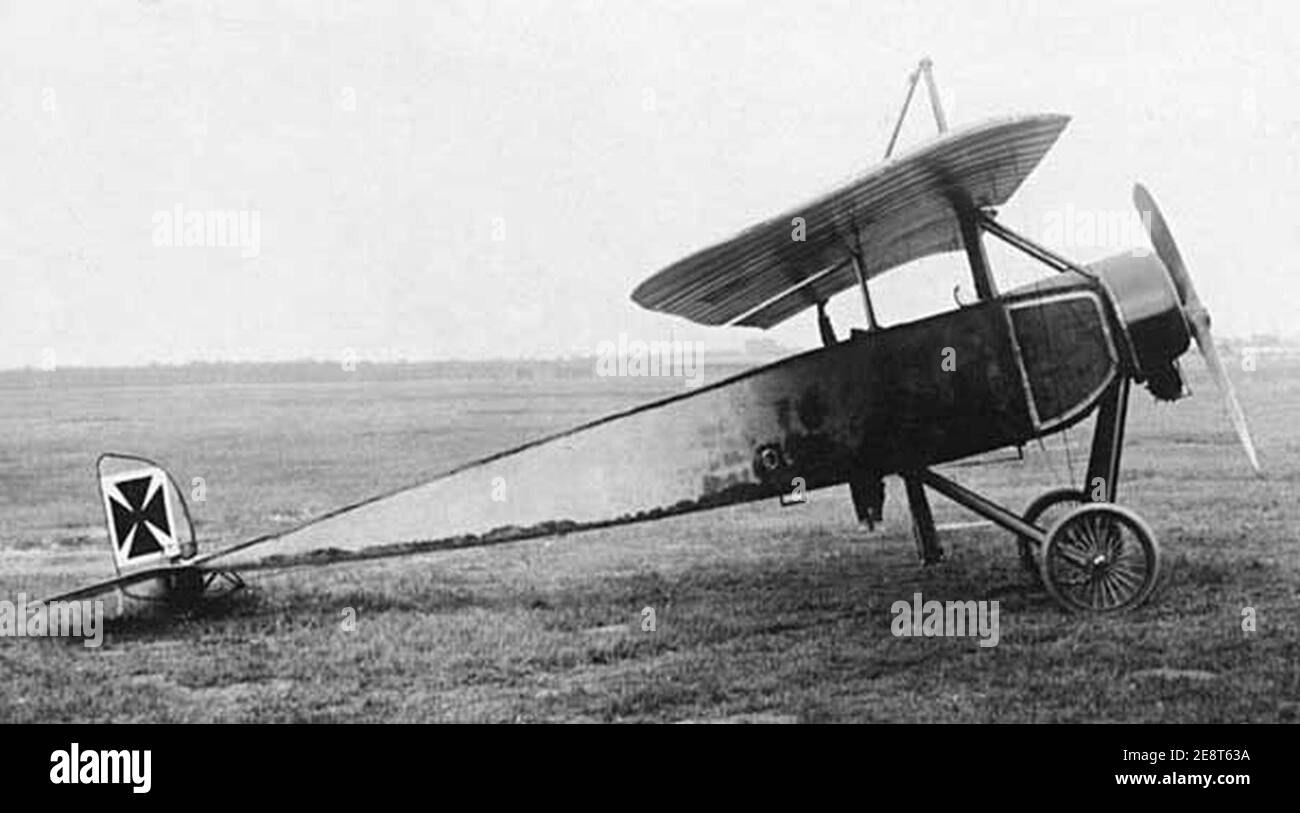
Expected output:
(119, 582)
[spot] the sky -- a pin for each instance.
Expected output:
(434, 180)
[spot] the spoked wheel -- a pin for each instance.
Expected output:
(1100, 557)
(1050, 507)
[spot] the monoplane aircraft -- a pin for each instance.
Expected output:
(1007, 368)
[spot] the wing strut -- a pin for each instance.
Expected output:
(824, 326)
(872, 324)
(902, 114)
(970, 227)
(853, 246)
(925, 66)
(967, 215)
(972, 236)
(935, 105)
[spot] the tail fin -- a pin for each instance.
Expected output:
(141, 502)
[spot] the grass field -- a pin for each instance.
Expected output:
(762, 613)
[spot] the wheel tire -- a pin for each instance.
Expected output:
(1099, 558)
(1027, 547)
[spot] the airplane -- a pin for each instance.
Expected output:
(995, 373)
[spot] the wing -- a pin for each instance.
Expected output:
(900, 211)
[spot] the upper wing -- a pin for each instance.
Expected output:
(899, 211)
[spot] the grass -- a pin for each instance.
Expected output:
(761, 613)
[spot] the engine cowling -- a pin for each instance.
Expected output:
(1148, 303)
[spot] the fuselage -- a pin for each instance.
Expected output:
(993, 374)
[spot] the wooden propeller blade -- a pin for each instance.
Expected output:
(1198, 318)
(1205, 342)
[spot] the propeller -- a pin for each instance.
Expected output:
(1194, 311)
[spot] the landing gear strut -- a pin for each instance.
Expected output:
(1095, 556)
(1045, 512)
